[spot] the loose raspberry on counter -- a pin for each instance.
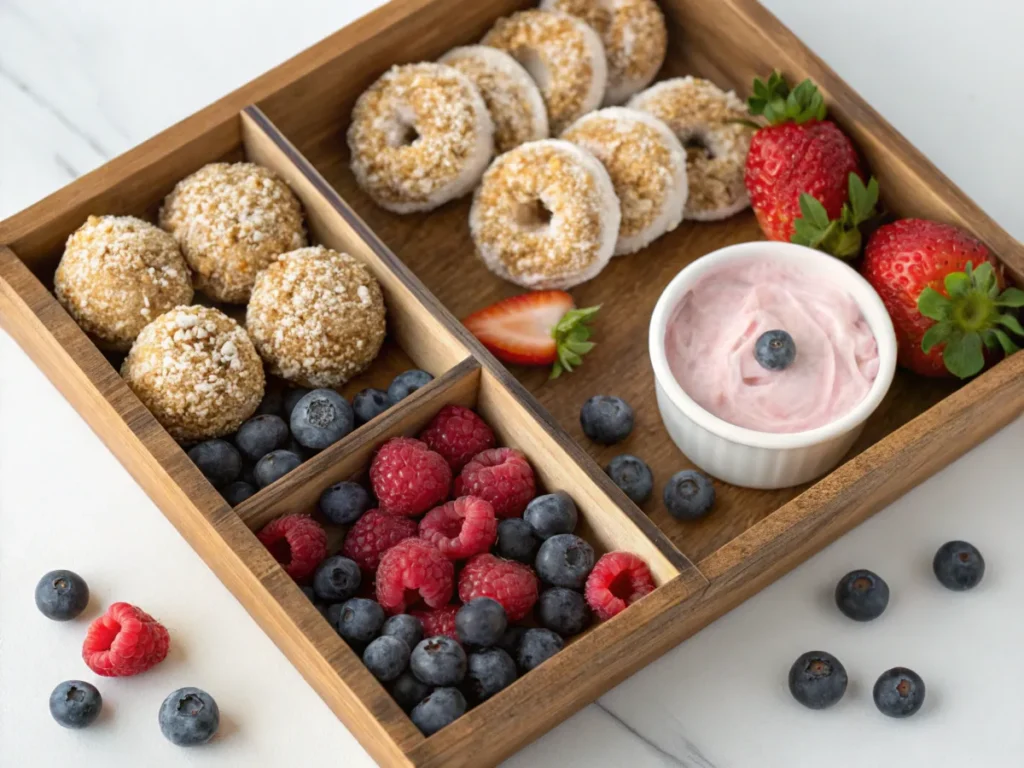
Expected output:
(124, 641)
(439, 622)
(512, 584)
(458, 434)
(374, 534)
(411, 572)
(408, 478)
(461, 528)
(501, 476)
(618, 580)
(298, 542)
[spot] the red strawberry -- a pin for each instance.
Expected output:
(541, 328)
(942, 290)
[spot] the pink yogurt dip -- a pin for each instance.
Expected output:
(710, 347)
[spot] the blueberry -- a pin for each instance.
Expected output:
(862, 595)
(511, 640)
(689, 495)
(441, 707)
(387, 657)
(75, 704)
(481, 622)
(633, 476)
(238, 492)
(321, 418)
(606, 419)
(218, 460)
(249, 475)
(405, 627)
(357, 620)
(438, 661)
(516, 540)
(61, 595)
(336, 579)
(817, 680)
(408, 691)
(405, 384)
(290, 400)
(551, 514)
(563, 611)
(369, 404)
(537, 646)
(899, 692)
(274, 466)
(189, 717)
(958, 566)
(488, 672)
(344, 503)
(775, 350)
(565, 560)
(272, 402)
(260, 435)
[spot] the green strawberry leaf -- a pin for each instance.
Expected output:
(1011, 322)
(840, 237)
(963, 355)
(984, 279)
(988, 336)
(957, 284)
(863, 199)
(934, 305)
(813, 211)
(571, 334)
(937, 334)
(1011, 297)
(776, 102)
(1008, 345)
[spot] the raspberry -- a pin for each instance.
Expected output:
(412, 571)
(458, 434)
(374, 534)
(124, 641)
(298, 542)
(501, 476)
(408, 478)
(461, 528)
(439, 622)
(618, 580)
(512, 584)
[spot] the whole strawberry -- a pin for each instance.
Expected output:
(943, 291)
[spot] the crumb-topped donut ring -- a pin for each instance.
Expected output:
(420, 136)
(647, 166)
(635, 40)
(562, 54)
(702, 116)
(513, 99)
(546, 216)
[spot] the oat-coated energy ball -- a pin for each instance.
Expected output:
(117, 274)
(232, 220)
(197, 371)
(317, 317)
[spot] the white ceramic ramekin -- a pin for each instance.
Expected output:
(747, 457)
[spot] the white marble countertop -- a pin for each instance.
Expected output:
(81, 82)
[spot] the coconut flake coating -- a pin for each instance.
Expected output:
(117, 274)
(317, 317)
(197, 372)
(232, 220)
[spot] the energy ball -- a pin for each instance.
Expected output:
(232, 220)
(117, 274)
(317, 317)
(197, 371)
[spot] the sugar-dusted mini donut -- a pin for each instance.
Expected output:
(647, 165)
(546, 215)
(702, 115)
(635, 40)
(420, 136)
(562, 54)
(513, 99)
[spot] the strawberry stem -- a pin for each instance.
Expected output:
(774, 101)
(572, 339)
(840, 237)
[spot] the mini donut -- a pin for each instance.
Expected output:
(647, 166)
(513, 99)
(420, 136)
(700, 114)
(546, 216)
(635, 40)
(562, 54)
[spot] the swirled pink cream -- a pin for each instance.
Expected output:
(712, 332)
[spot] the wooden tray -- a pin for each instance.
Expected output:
(703, 569)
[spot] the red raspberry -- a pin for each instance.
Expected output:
(124, 641)
(439, 622)
(374, 534)
(461, 528)
(408, 478)
(412, 571)
(618, 580)
(512, 584)
(458, 434)
(501, 476)
(298, 542)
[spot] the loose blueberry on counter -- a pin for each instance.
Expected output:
(438, 661)
(516, 541)
(958, 566)
(443, 706)
(862, 595)
(817, 680)
(189, 717)
(369, 404)
(386, 657)
(408, 691)
(565, 560)
(511, 640)
(606, 419)
(775, 350)
(899, 692)
(344, 503)
(62, 595)
(537, 646)
(405, 384)
(290, 400)
(357, 620)
(218, 460)
(488, 672)
(406, 628)
(321, 418)
(551, 514)
(633, 477)
(75, 704)
(274, 466)
(238, 492)
(689, 495)
(481, 622)
(563, 611)
(336, 579)
(260, 435)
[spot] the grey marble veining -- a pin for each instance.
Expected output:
(664, 733)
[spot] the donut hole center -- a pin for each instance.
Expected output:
(403, 131)
(533, 215)
(697, 145)
(534, 64)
